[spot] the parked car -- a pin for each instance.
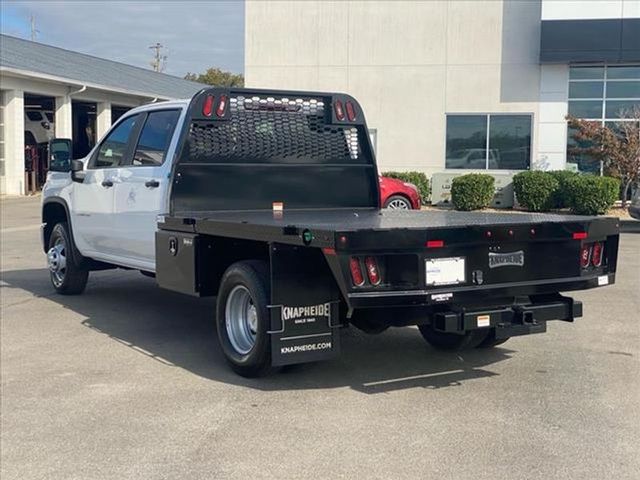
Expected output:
(398, 195)
(634, 208)
(38, 126)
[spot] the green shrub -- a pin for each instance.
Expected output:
(561, 197)
(472, 191)
(535, 190)
(591, 195)
(419, 179)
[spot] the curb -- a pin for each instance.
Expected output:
(629, 226)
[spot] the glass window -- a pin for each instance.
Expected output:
(586, 89)
(623, 90)
(114, 147)
(630, 72)
(34, 116)
(466, 141)
(586, 73)
(585, 108)
(621, 108)
(509, 142)
(50, 116)
(155, 137)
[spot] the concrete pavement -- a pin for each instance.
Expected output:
(126, 381)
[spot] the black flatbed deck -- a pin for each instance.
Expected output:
(287, 226)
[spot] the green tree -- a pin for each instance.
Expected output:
(217, 78)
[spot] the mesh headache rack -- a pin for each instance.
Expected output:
(307, 150)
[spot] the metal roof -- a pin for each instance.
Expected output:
(32, 57)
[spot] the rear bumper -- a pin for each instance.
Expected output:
(470, 294)
(509, 321)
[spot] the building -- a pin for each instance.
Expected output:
(48, 91)
(455, 85)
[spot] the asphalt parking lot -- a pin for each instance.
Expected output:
(126, 381)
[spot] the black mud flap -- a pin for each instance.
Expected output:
(305, 317)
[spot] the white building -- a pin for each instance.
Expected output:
(47, 91)
(456, 84)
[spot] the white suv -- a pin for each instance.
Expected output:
(38, 126)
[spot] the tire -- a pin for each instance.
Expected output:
(490, 341)
(242, 318)
(67, 275)
(398, 202)
(452, 341)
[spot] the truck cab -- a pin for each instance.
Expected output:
(114, 199)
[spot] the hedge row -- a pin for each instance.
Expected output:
(419, 179)
(539, 191)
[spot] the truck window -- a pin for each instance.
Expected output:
(155, 137)
(114, 147)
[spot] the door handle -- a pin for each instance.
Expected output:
(152, 184)
(107, 183)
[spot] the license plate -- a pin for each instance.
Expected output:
(445, 271)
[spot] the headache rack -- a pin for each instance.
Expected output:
(246, 149)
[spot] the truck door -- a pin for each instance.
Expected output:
(93, 199)
(141, 192)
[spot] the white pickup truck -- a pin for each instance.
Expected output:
(270, 201)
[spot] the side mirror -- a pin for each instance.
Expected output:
(60, 155)
(77, 171)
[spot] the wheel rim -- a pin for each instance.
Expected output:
(57, 261)
(398, 204)
(241, 320)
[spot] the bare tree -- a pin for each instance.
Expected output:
(617, 146)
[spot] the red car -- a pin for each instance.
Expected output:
(396, 194)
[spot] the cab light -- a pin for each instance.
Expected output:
(207, 107)
(596, 254)
(585, 256)
(579, 235)
(434, 243)
(372, 270)
(222, 106)
(339, 110)
(356, 271)
(351, 111)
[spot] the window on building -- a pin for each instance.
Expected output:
(606, 94)
(493, 141)
(155, 137)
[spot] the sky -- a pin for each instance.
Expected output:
(197, 35)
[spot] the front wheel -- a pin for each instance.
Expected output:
(452, 341)
(398, 202)
(242, 318)
(67, 277)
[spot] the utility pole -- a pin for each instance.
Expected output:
(159, 61)
(34, 30)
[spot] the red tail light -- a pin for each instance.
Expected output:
(339, 110)
(434, 243)
(372, 270)
(356, 272)
(596, 254)
(207, 107)
(579, 235)
(585, 256)
(222, 105)
(351, 111)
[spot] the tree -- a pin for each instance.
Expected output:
(617, 146)
(217, 78)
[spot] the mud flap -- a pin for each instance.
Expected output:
(304, 308)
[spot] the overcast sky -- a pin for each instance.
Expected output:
(198, 35)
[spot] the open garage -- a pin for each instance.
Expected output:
(49, 92)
